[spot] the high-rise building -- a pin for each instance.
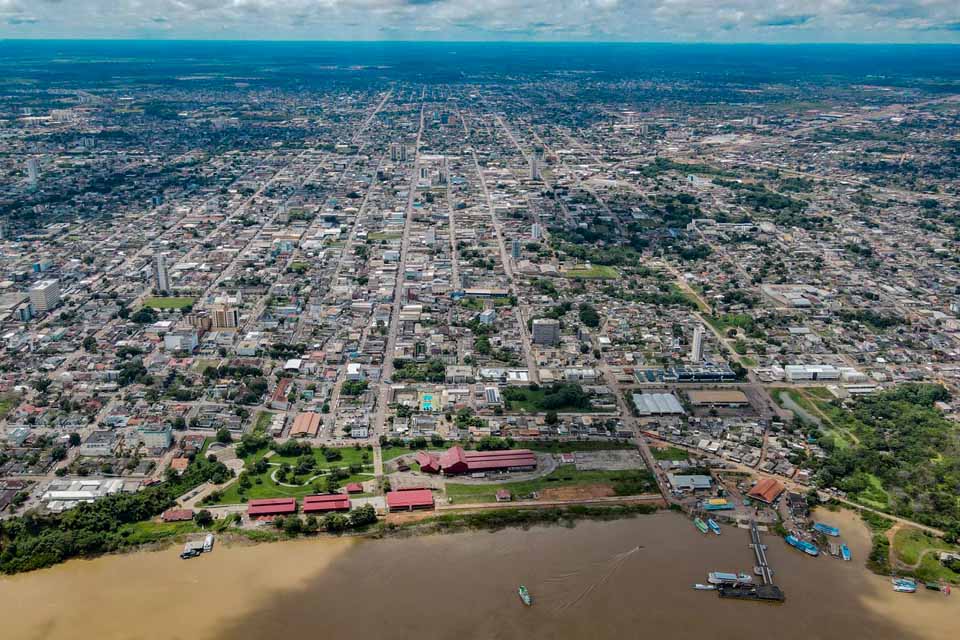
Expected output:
(546, 331)
(161, 278)
(443, 171)
(534, 168)
(536, 232)
(515, 248)
(696, 346)
(225, 317)
(45, 295)
(33, 170)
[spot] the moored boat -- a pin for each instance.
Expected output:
(713, 526)
(904, 585)
(721, 577)
(845, 552)
(803, 545)
(701, 525)
(704, 587)
(208, 543)
(525, 595)
(826, 529)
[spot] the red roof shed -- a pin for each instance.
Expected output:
(354, 487)
(271, 507)
(327, 502)
(177, 515)
(766, 490)
(410, 499)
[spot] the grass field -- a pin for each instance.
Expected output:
(382, 235)
(874, 495)
(909, 545)
(263, 420)
(594, 272)
(669, 453)
(7, 402)
(562, 476)
(149, 531)
(168, 303)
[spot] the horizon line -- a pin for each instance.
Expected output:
(530, 42)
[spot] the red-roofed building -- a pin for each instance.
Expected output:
(177, 515)
(767, 490)
(354, 487)
(456, 461)
(410, 499)
(326, 502)
(270, 507)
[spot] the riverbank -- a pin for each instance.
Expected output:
(589, 578)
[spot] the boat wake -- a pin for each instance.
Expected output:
(615, 563)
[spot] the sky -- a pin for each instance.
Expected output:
(776, 21)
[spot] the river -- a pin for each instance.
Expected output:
(623, 579)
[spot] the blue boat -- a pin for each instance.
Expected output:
(803, 545)
(713, 526)
(826, 529)
(718, 507)
(845, 552)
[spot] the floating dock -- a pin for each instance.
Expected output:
(766, 592)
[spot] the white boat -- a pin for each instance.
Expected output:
(705, 587)
(208, 543)
(719, 577)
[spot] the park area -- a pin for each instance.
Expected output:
(168, 303)
(593, 272)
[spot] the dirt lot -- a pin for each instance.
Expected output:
(615, 460)
(582, 492)
(410, 516)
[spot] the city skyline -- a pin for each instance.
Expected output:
(732, 21)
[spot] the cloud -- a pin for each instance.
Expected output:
(786, 21)
(629, 20)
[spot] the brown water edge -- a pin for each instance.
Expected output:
(588, 581)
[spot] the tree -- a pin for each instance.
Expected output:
(551, 418)
(292, 526)
(312, 525)
(203, 518)
(74, 439)
(224, 436)
(90, 344)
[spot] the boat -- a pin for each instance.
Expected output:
(803, 545)
(826, 529)
(713, 526)
(208, 543)
(705, 587)
(701, 525)
(845, 552)
(525, 595)
(932, 586)
(721, 577)
(904, 585)
(186, 554)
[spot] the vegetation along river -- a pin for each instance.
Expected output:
(622, 579)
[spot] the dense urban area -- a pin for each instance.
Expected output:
(241, 302)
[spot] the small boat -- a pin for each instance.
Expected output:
(705, 587)
(701, 525)
(525, 595)
(826, 529)
(932, 586)
(186, 554)
(721, 577)
(208, 543)
(845, 552)
(904, 585)
(803, 545)
(713, 526)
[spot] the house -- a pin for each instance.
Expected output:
(177, 515)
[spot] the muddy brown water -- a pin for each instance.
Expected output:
(623, 579)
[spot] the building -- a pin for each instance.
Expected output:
(802, 372)
(33, 171)
(536, 231)
(225, 317)
(99, 443)
(271, 507)
(161, 278)
(177, 515)
(546, 331)
(155, 436)
(456, 460)
(722, 398)
(306, 425)
(181, 340)
(325, 503)
(696, 346)
(66, 494)
(515, 249)
(689, 483)
(534, 167)
(45, 295)
(766, 490)
(409, 499)
(657, 404)
(355, 372)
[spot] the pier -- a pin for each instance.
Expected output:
(766, 592)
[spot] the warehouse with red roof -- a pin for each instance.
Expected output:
(456, 460)
(766, 490)
(410, 499)
(269, 507)
(324, 503)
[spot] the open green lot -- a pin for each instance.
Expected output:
(168, 303)
(623, 483)
(594, 272)
(913, 546)
(149, 531)
(669, 453)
